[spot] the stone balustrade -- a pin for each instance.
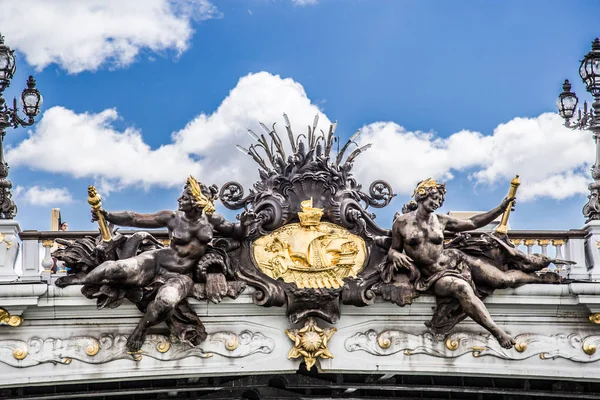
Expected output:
(36, 263)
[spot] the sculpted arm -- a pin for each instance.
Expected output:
(130, 218)
(395, 254)
(230, 229)
(396, 246)
(477, 221)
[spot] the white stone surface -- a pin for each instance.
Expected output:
(575, 251)
(592, 248)
(60, 325)
(9, 249)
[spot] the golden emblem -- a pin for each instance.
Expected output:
(310, 342)
(311, 254)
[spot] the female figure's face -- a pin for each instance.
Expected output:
(185, 201)
(432, 200)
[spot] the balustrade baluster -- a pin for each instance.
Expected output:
(516, 242)
(529, 243)
(558, 243)
(543, 243)
(47, 261)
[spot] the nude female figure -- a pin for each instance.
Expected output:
(418, 246)
(190, 230)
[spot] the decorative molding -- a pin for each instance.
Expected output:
(547, 347)
(107, 348)
(10, 320)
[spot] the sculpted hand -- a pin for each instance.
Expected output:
(401, 260)
(95, 215)
(509, 200)
(250, 217)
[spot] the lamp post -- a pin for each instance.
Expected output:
(587, 119)
(31, 100)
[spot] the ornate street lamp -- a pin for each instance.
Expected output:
(31, 100)
(588, 119)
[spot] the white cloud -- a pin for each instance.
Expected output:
(84, 35)
(303, 3)
(403, 158)
(91, 147)
(552, 160)
(42, 196)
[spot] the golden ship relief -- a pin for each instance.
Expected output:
(311, 254)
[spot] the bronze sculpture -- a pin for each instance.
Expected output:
(458, 274)
(307, 241)
(172, 269)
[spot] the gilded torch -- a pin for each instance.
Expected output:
(512, 192)
(95, 201)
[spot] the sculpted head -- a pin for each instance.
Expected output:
(429, 194)
(197, 195)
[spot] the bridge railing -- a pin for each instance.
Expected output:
(36, 262)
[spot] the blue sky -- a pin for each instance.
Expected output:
(411, 73)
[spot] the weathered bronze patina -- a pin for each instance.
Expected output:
(159, 280)
(305, 240)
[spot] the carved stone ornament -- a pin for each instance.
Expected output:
(10, 320)
(108, 348)
(547, 347)
(310, 342)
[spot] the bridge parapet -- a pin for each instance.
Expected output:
(62, 338)
(56, 336)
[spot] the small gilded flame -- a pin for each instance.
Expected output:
(94, 198)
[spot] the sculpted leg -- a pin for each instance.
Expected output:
(487, 274)
(130, 271)
(169, 295)
(473, 307)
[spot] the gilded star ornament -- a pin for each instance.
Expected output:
(310, 342)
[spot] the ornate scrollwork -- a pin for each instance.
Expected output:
(591, 210)
(108, 348)
(547, 347)
(380, 194)
(10, 320)
(232, 195)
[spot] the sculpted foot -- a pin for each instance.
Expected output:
(505, 341)
(65, 281)
(551, 277)
(135, 341)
